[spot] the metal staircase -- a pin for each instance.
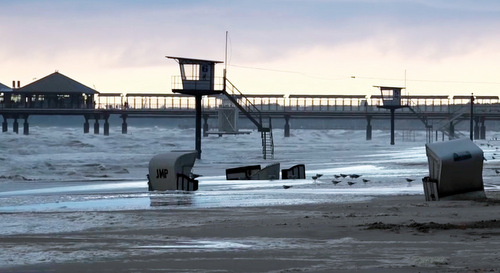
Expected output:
(267, 141)
(422, 117)
(417, 111)
(254, 115)
(445, 125)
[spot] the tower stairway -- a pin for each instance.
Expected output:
(445, 126)
(254, 115)
(423, 118)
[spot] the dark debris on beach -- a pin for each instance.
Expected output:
(426, 227)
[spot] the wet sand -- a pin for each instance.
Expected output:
(386, 234)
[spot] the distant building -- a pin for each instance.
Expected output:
(53, 91)
(5, 92)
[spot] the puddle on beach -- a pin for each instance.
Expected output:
(209, 245)
(214, 193)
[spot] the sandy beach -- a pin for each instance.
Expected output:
(83, 206)
(385, 234)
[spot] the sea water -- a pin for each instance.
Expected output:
(62, 169)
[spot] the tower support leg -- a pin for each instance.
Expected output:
(198, 126)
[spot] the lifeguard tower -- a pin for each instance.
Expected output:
(391, 99)
(198, 79)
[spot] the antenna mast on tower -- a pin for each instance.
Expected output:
(225, 65)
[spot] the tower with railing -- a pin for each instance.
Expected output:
(198, 79)
(392, 100)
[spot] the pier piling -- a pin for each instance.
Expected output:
(86, 126)
(26, 126)
(106, 127)
(15, 126)
(96, 126)
(205, 125)
(124, 124)
(368, 128)
(287, 125)
(482, 133)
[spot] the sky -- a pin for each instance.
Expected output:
(431, 47)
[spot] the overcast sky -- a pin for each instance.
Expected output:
(276, 46)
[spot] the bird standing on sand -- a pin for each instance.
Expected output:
(343, 175)
(497, 171)
(366, 180)
(314, 177)
(336, 176)
(409, 180)
(286, 187)
(350, 183)
(354, 176)
(335, 182)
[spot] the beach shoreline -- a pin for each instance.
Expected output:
(401, 233)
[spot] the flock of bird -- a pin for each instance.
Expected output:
(339, 178)
(495, 155)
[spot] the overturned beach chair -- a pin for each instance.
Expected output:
(242, 173)
(172, 171)
(455, 171)
(295, 172)
(254, 172)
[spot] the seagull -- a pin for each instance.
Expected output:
(335, 182)
(354, 176)
(366, 180)
(350, 183)
(286, 187)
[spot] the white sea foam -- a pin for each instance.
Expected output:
(62, 169)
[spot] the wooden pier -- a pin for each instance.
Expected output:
(57, 94)
(434, 108)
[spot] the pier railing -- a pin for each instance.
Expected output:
(290, 103)
(275, 103)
